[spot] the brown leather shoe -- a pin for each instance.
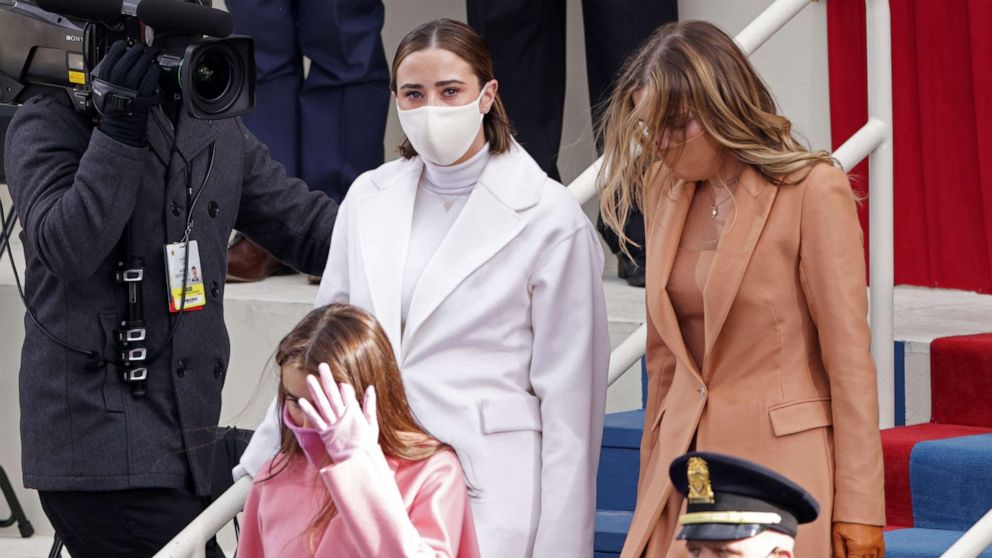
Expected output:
(247, 262)
(313, 279)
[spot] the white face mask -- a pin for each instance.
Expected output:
(442, 135)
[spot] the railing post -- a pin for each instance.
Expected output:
(880, 229)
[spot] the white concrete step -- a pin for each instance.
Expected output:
(36, 546)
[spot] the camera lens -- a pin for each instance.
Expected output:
(212, 76)
(217, 77)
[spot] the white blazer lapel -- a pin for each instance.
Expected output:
(489, 221)
(482, 229)
(384, 232)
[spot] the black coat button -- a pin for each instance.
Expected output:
(214, 289)
(174, 208)
(181, 369)
(213, 209)
(219, 370)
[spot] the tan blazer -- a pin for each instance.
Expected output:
(788, 380)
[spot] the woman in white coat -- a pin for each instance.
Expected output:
(486, 276)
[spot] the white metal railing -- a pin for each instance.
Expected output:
(880, 227)
(974, 541)
(873, 139)
(584, 185)
(191, 541)
(861, 144)
(768, 23)
(627, 353)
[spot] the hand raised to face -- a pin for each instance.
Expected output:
(345, 426)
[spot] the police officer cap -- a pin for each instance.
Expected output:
(730, 498)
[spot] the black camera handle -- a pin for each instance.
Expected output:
(113, 100)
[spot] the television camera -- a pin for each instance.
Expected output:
(53, 46)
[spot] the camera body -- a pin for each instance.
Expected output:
(49, 53)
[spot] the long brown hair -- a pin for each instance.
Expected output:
(461, 40)
(691, 66)
(358, 351)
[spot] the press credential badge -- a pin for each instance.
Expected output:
(196, 296)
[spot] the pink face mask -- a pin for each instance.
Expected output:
(308, 438)
(697, 158)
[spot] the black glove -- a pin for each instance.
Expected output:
(124, 85)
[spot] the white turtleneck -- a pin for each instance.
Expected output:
(441, 195)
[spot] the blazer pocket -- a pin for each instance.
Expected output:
(798, 416)
(510, 413)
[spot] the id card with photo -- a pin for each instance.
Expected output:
(196, 296)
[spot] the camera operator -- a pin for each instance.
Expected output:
(121, 472)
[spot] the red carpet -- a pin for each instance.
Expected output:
(961, 380)
(961, 405)
(897, 445)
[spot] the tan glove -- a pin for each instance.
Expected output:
(855, 540)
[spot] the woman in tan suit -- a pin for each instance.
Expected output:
(758, 344)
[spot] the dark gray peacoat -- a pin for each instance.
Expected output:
(75, 189)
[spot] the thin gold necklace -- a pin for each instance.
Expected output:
(714, 205)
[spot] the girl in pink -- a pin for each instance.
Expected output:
(352, 480)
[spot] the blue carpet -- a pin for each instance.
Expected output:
(619, 460)
(951, 482)
(611, 530)
(922, 543)
(623, 430)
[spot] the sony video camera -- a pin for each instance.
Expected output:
(52, 47)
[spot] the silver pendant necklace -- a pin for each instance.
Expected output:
(445, 202)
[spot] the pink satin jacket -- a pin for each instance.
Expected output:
(385, 507)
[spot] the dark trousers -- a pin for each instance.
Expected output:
(328, 127)
(527, 40)
(133, 523)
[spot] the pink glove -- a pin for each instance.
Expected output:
(308, 439)
(343, 425)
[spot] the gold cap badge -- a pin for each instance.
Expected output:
(700, 489)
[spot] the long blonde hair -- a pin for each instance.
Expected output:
(690, 66)
(358, 351)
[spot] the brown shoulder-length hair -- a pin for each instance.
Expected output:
(358, 351)
(691, 66)
(461, 40)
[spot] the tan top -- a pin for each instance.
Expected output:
(700, 238)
